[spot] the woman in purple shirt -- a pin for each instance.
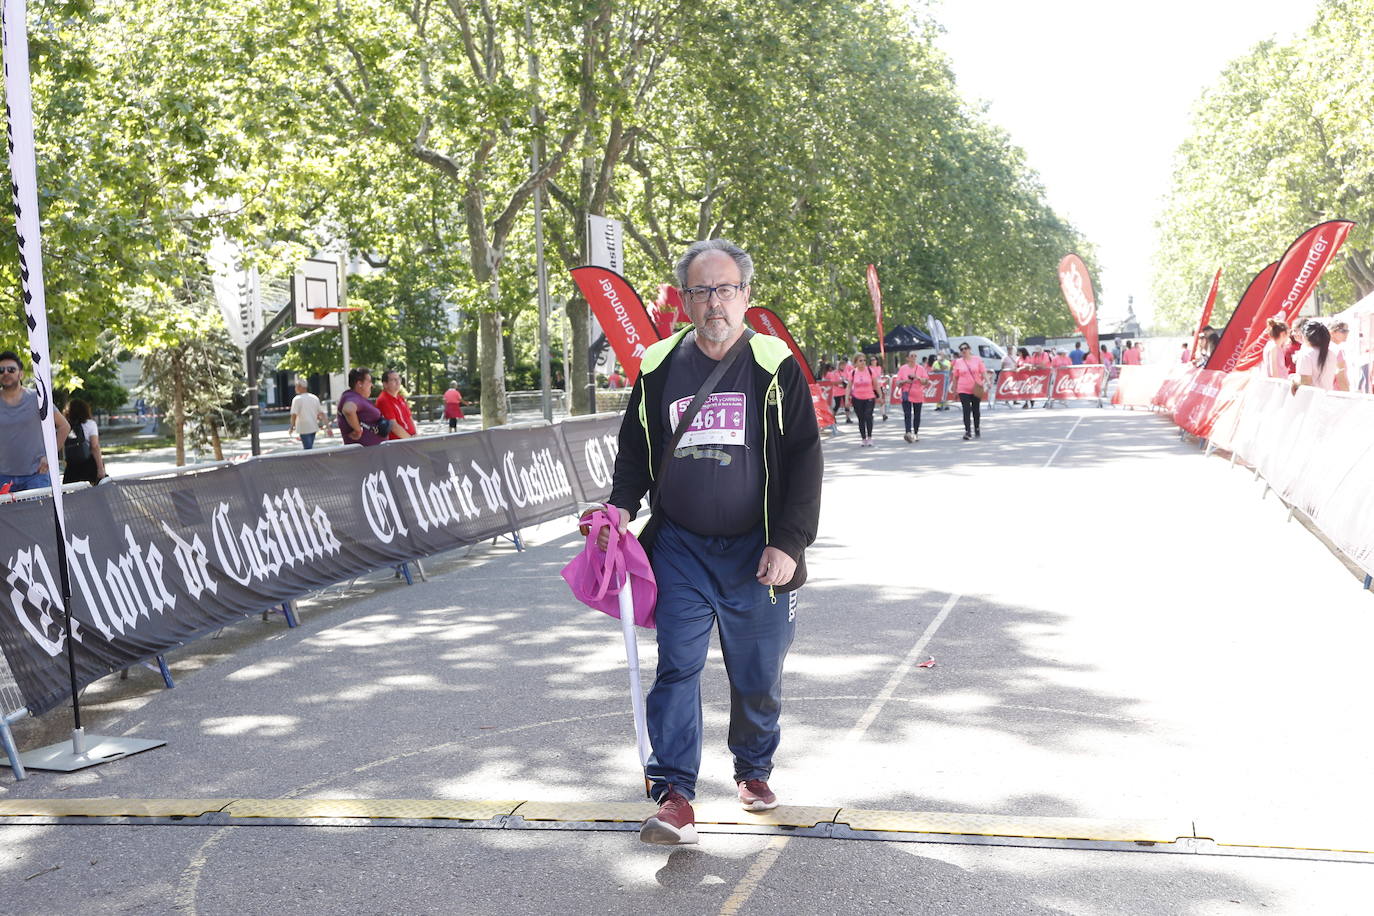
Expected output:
(357, 415)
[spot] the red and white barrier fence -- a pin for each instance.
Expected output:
(1315, 448)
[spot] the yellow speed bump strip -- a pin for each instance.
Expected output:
(1316, 831)
(1055, 828)
(111, 807)
(370, 808)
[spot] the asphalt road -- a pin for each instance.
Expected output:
(1121, 629)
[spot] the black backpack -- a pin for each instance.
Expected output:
(80, 450)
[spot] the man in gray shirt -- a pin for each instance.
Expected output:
(23, 464)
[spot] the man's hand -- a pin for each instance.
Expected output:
(355, 434)
(43, 465)
(604, 536)
(775, 567)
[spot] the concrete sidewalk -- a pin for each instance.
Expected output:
(1121, 628)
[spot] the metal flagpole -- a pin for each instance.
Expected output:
(541, 280)
(84, 750)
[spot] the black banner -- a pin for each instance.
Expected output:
(157, 562)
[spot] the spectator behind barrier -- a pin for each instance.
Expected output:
(1317, 364)
(81, 451)
(360, 421)
(392, 404)
(1275, 366)
(1340, 332)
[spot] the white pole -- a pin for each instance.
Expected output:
(541, 280)
(627, 629)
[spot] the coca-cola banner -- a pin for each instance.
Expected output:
(1228, 349)
(1209, 395)
(1299, 270)
(1136, 386)
(1025, 384)
(1175, 386)
(157, 562)
(825, 416)
(1079, 382)
(1078, 293)
(621, 313)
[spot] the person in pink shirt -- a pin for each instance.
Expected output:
(863, 393)
(835, 383)
(911, 380)
(969, 374)
(1061, 359)
(1187, 355)
(1091, 359)
(1272, 360)
(1130, 355)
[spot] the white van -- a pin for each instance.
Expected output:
(990, 353)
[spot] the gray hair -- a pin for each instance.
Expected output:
(696, 249)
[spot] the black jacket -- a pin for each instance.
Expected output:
(791, 444)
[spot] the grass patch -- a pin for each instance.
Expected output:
(139, 445)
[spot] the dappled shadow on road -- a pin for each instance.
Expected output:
(490, 682)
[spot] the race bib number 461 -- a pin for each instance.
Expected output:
(719, 422)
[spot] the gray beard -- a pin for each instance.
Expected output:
(708, 331)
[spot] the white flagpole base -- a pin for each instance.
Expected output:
(85, 751)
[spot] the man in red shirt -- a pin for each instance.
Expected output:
(393, 406)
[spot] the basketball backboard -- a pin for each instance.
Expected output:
(315, 287)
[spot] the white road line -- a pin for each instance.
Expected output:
(1072, 428)
(754, 877)
(1052, 457)
(895, 680)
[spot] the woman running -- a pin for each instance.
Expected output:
(833, 380)
(969, 374)
(911, 378)
(863, 393)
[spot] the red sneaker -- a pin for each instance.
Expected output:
(754, 795)
(673, 825)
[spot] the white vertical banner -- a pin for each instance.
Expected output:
(605, 248)
(605, 243)
(24, 183)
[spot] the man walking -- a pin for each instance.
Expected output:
(307, 415)
(736, 505)
(23, 460)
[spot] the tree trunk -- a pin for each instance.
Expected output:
(493, 370)
(179, 409)
(215, 440)
(470, 350)
(1360, 270)
(577, 359)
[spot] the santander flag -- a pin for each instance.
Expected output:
(1207, 310)
(1298, 272)
(1078, 293)
(1228, 349)
(766, 321)
(876, 294)
(620, 312)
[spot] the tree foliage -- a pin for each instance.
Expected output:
(821, 134)
(1280, 142)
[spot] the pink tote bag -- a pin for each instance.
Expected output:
(596, 576)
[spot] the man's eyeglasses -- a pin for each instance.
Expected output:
(6, 370)
(699, 295)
